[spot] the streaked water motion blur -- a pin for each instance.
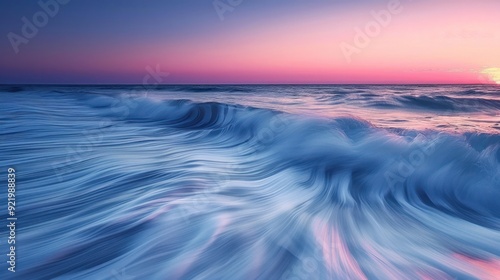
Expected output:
(254, 182)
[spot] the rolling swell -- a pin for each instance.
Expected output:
(176, 189)
(443, 103)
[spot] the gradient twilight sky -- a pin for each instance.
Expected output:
(259, 41)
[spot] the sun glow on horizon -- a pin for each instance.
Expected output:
(493, 74)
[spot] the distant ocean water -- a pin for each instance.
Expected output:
(253, 182)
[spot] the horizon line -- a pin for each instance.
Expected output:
(250, 84)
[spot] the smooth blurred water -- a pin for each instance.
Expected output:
(253, 182)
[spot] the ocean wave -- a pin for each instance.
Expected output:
(444, 103)
(142, 187)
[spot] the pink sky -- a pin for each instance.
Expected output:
(424, 42)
